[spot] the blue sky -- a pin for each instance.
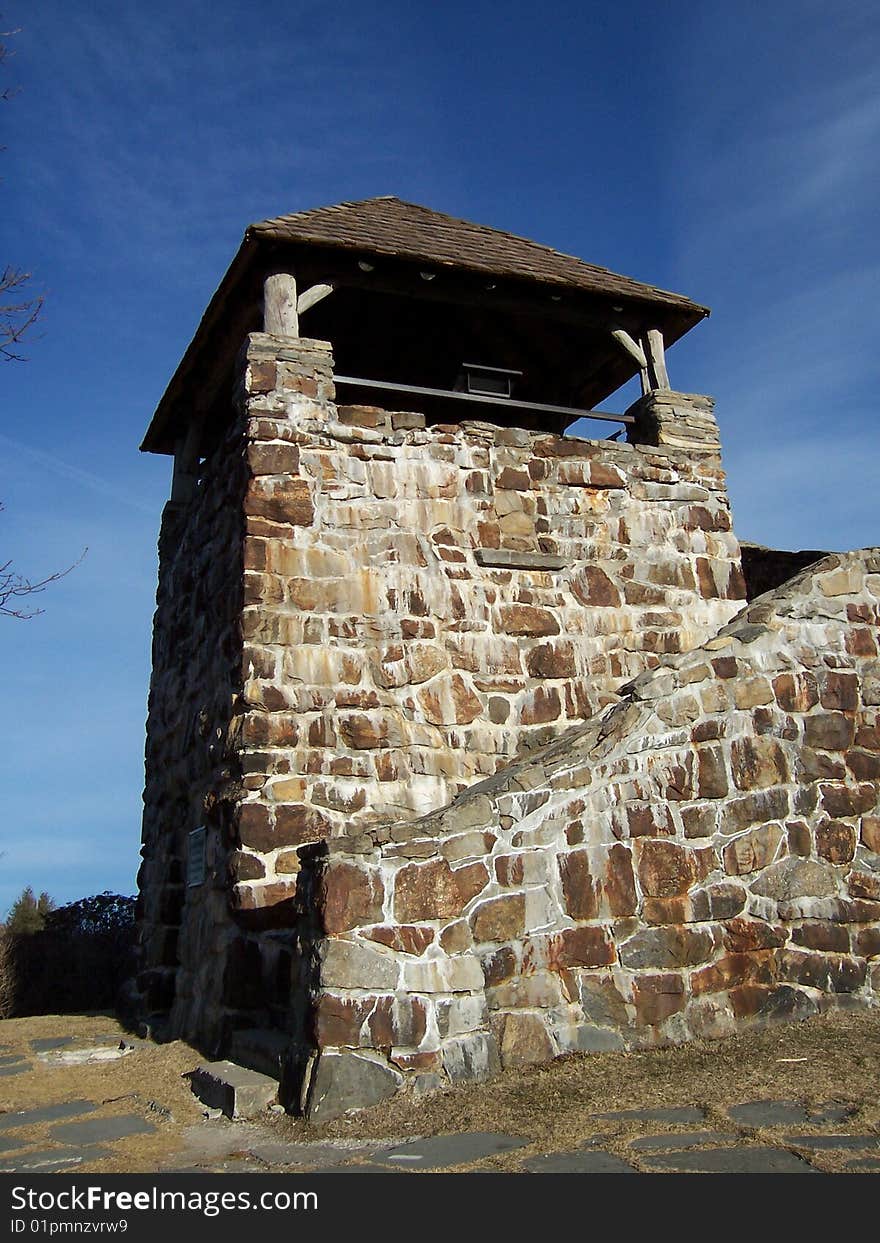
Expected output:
(726, 151)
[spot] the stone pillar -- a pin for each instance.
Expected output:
(674, 421)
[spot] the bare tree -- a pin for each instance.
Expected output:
(15, 587)
(19, 306)
(18, 312)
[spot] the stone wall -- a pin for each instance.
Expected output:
(424, 604)
(703, 854)
(184, 933)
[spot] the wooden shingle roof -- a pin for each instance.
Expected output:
(390, 226)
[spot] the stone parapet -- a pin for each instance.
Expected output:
(703, 855)
(675, 421)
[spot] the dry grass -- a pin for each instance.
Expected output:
(551, 1106)
(148, 1082)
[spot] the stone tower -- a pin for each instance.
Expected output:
(387, 577)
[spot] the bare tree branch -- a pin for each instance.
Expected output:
(15, 587)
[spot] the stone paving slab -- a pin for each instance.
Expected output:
(785, 1113)
(443, 1150)
(683, 1139)
(45, 1043)
(99, 1130)
(584, 1161)
(833, 1141)
(8, 1142)
(866, 1165)
(685, 1115)
(10, 1059)
(50, 1159)
(16, 1069)
(756, 1160)
(308, 1156)
(46, 1113)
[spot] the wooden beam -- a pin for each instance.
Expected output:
(509, 402)
(280, 318)
(310, 296)
(657, 359)
(622, 337)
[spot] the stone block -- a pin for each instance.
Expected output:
(344, 1081)
(237, 1091)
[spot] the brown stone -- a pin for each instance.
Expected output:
(578, 885)
(829, 731)
(540, 706)
(756, 763)
(587, 946)
(288, 501)
(515, 480)
(795, 692)
(427, 891)
(398, 1020)
(524, 619)
(243, 866)
(819, 766)
(864, 885)
(593, 587)
(551, 660)
(800, 840)
(618, 884)
(656, 997)
(288, 862)
(650, 820)
(499, 919)
(755, 967)
(471, 879)
(742, 935)
(868, 942)
(870, 832)
(273, 459)
(841, 800)
(404, 938)
(830, 938)
(509, 869)
(450, 701)
(338, 1020)
(499, 965)
(667, 870)
(711, 773)
(864, 765)
(456, 937)
(758, 808)
(839, 691)
(255, 827)
(349, 896)
(699, 821)
(296, 823)
(755, 849)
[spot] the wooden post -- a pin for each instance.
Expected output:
(657, 359)
(280, 318)
(632, 347)
(310, 296)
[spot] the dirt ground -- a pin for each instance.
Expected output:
(835, 1057)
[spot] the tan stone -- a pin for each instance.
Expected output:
(450, 701)
(524, 1041)
(499, 919)
(756, 763)
(753, 850)
(667, 869)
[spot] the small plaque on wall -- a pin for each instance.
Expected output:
(195, 858)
